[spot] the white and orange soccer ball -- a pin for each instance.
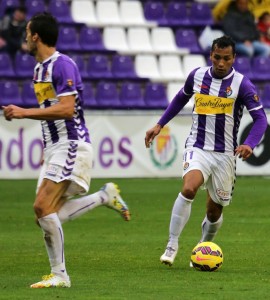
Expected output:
(207, 256)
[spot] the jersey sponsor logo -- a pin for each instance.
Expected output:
(164, 149)
(223, 195)
(212, 105)
(44, 91)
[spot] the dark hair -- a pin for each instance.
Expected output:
(223, 42)
(263, 15)
(46, 26)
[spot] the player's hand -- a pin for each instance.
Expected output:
(151, 134)
(243, 151)
(13, 112)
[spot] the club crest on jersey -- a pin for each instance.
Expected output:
(186, 165)
(70, 82)
(256, 98)
(228, 91)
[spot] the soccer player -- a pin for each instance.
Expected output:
(68, 153)
(209, 160)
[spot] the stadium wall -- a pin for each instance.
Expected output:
(118, 141)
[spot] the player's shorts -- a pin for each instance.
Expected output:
(218, 171)
(71, 161)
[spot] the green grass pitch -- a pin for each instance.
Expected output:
(108, 258)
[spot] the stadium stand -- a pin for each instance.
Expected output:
(144, 48)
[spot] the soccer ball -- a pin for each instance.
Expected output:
(207, 256)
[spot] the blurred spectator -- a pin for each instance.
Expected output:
(12, 31)
(239, 23)
(264, 27)
(257, 7)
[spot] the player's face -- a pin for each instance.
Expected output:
(222, 60)
(31, 41)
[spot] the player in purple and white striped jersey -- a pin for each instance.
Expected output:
(220, 94)
(68, 153)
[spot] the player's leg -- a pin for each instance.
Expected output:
(212, 221)
(181, 213)
(48, 200)
(219, 194)
(108, 195)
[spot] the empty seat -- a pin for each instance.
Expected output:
(98, 66)
(131, 13)
(90, 38)
(80, 62)
(24, 65)
(173, 88)
(68, 39)
(115, 39)
(187, 38)
(265, 96)
(107, 95)
(171, 67)
(146, 66)
(10, 93)
(123, 67)
(139, 39)
(155, 11)
(200, 14)
(155, 96)
(83, 11)
(192, 61)
(28, 95)
(260, 68)
(177, 14)
(6, 66)
(89, 100)
(107, 12)
(163, 41)
(243, 65)
(34, 6)
(60, 9)
(131, 96)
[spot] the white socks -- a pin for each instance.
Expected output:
(54, 241)
(209, 230)
(72, 209)
(180, 215)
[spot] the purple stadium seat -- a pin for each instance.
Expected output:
(68, 39)
(131, 96)
(28, 95)
(107, 95)
(123, 67)
(34, 6)
(187, 38)
(60, 9)
(89, 100)
(98, 66)
(79, 60)
(6, 66)
(260, 67)
(155, 96)
(10, 93)
(200, 14)
(8, 5)
(90, 39)
(243, 65)
(177, 14)
(154, 11)
(24, 65)
(265, 96)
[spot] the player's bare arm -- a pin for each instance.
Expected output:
(151, 134)
(243, 151)
(62, 110)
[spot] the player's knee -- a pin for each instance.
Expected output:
(39, 211)
(189, 192)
